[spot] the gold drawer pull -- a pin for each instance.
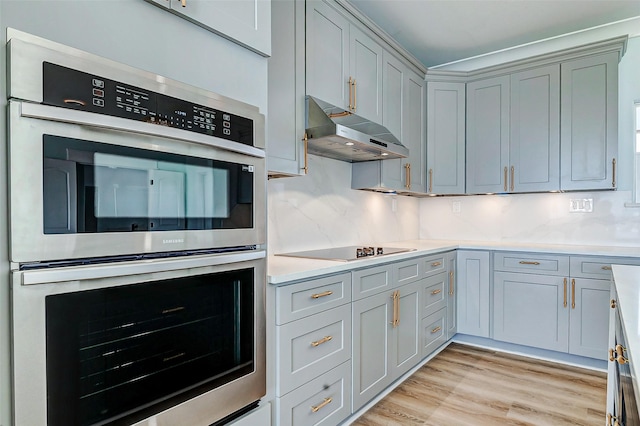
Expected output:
(434, 292)
(436, 264)
(613, 303)
(315, 408)
(325, 339)
(612, 357)
(451, 283)
(526, 262)
(620, 350)
(573, 293)
(622, 360)
(565, 293)
(606, 268)
(435, 330)
(323, 294)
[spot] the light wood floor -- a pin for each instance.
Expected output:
(464, 385)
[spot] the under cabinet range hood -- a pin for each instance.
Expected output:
(342, 135)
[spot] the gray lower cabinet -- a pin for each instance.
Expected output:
(434, 333)
(452, 305)
(473, 300)
(589, 317)
(589, 122)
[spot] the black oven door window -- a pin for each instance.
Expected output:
(92, 187)
(120, 354)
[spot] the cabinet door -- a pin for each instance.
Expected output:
(372, 327)
(473, 295)
(612, 377)
(534, 146)
(286, 77)
(589, 122)
(488, 135)
(445, 137)
(414, 135)
(327, 54)
(452, 306)
(589, 317)
(530, 310)
(365, 70)
(405, 351)
(393, 79)
(246, 22)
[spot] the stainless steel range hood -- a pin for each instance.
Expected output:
(335, 133)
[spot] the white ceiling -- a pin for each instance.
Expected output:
(442, 31)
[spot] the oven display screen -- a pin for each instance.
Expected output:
(74, 89)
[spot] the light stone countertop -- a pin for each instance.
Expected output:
(627, 283)
(282, 269)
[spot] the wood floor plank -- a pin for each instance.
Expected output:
(464, 385)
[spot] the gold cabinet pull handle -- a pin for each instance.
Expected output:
(184, 3)
(315, 408)
(622, 360)
(620, 350)
(396, 307)
(573, 293)
(565, 293)
(350, 83)
(435, 330)
(306, 153)
(407, 176)
(438, 291)
(451, 283)
(527, 262)
(613, 303)
(325, 339)
(430, 180)
(436, 264)
(513, 169)
(323, 294)
(505, 179)
(606, 268)
(613, 178)
(612, 357)
(355, 92)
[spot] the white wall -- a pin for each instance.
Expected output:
(321, 210)
(545, 218)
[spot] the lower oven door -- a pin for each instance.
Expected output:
(178, 341)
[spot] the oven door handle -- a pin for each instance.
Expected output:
(83, 118)
(85, 272)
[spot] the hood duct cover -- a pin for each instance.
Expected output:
(335, 133)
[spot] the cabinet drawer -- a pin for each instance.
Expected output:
(296, 301)
(311, 346)
(370, 281)
(434, 264)
(531, 263)
(407, 271)
(433, 331)
(325, 400)
(434, 293)
(598, 267)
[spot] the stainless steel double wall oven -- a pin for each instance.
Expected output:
(137, 244)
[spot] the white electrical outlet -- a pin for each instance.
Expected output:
(583, 205)
(455, 206)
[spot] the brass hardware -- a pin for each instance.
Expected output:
(622, 360)
(430, 180)
(438, 291)
(436, 264)
(172, 310)
(184, 3)
(396, 307)
(340, 114)
(451, 283)
(606, 268)
(355, 92)
(306, 153)
(435, 330)
(325, 339)
(613, 303)
(526, 262)
(565, 293)
(613, 178)
(620, 350)
(323, 294)
(573, 293)
(169, 358)
(407, 175)
(612, 420)
(505, 179)
(513, 169)
(315, 408)
(350, 87)
(612, 357)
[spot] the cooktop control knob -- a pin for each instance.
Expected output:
(379, 250)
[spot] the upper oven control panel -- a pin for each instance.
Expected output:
(69, 88)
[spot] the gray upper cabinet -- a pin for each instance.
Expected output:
(589, 122)
(393, 79)
(365, 72)
(247, 23)
(286, 78)
(488, 135)
(534, 145)
(445, 137)
(414, 132)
